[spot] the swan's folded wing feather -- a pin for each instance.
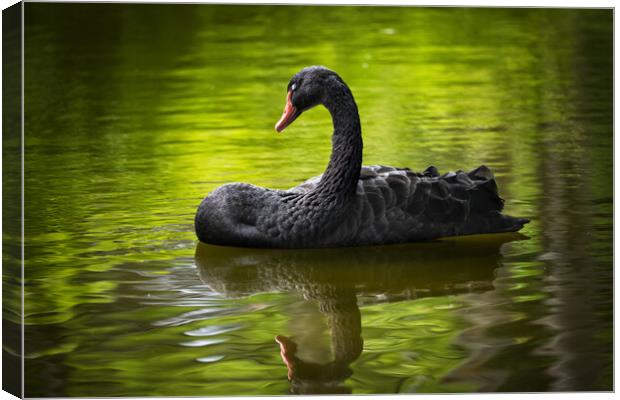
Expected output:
(400, 186)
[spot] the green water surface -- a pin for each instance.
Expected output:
(133, 113)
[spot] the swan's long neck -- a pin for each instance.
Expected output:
(339, 180)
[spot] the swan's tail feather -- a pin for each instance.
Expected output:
(485, 201)
(478, 190)
(493, 222)
(506, 223)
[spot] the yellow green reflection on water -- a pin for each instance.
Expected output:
(135, 112)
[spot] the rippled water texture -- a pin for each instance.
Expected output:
(135, 112)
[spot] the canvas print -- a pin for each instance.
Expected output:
(228, 200)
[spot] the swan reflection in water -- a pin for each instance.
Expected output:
(334, 278)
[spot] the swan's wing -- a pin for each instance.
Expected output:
(403, 204)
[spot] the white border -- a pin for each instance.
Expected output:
(449, 3)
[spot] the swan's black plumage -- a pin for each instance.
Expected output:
(350, 205)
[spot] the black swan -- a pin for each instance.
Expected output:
(350, 205)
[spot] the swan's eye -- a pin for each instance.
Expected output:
(293, 87)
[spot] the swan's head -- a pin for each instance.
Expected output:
(306, 89)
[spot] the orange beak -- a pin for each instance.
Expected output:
(289, 115)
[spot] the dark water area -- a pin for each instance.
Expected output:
(133, 113)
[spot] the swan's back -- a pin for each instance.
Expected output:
(394, 205)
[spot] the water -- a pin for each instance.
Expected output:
(135, 112)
